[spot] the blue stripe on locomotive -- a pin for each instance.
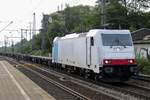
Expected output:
(55, 51)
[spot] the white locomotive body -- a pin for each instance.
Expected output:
(107, 54)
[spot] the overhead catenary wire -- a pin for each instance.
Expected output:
(6, 26)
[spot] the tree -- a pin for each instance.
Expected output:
(126, 13)
(119, 13)
(116, 15)
(80, 18)
(136, 5)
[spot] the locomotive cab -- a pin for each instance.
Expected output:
(117, 58)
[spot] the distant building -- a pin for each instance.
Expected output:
(141, 39)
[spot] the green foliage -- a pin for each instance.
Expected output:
(79, 18)
(145, 63)
(39, 53)
(23, 47)
(134, 5)
(119, 13)
(126, 14)
(35, 42)
(116, 15)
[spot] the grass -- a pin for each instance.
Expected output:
(146, 64)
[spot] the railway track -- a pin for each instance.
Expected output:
(90, 95)
(77, 95)
(131, 88)
(142, 77)
(56, 92)
(135, 90)
(72, 95)
(138, 92)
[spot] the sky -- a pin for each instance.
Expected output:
(21, 13)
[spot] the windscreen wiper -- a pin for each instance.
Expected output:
(118, 42)
(123, 44)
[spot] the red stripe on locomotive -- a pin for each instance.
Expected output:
(118, 61)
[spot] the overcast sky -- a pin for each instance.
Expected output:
(21, 13)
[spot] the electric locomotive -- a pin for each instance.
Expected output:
(107, 55)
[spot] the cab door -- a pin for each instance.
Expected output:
(89, 42)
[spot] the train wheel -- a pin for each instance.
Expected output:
(86, 75)
(81, 72)
(97, 77)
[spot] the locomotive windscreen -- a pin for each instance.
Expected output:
(116, 40)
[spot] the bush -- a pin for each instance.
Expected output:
(146, 65)
(40, 53)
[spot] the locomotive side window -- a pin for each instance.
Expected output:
(92, 41)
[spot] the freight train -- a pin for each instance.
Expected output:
(101, 54)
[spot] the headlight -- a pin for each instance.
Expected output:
(107, 61)
(131, 61)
